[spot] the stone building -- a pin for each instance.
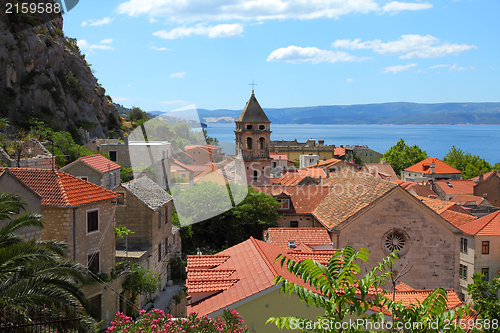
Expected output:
(253, 134)
(146, 209)
(488, 187)
(96, 169)
(293, 149)
(9, 183)
(29, 154)
(82, 215)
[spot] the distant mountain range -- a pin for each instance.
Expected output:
(400, 113)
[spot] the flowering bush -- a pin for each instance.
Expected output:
(155, 321)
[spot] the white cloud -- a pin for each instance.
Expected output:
(215, 31)
(409, 46)
(106, 41)
(102, 21)
(179, 75)
(202, 10)
(453, 68)
(296, 54)
(85, 46)
(119, 99)
(156, 48)
(396, 6)
(398, 68)
(350, 80)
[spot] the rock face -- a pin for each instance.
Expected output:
(44, 77)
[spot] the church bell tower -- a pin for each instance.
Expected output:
(253, 134)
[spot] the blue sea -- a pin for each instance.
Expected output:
(436, 140)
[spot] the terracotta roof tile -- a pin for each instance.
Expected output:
(209, 286)
(415, 296)
(350, 193)
(325, 163)
(60, 189)
(440, 167)
(308, 236)
(423, 191)
(404, 184)
(99, 163)
(456, 218)
(464, 199)
(321, 256)
(304, 198)
(206, 261)
(488, 225)
(209, 274)
(460, 186)
(339, 151)
(380, 170)
(182, 165)
(403, 287)
(439, 206)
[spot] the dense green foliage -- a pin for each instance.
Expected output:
(135, 113)
(34, 273)
(485, 301)
(470, 165)
(255, 213)
(140, 281)
(344, 294)
(401, 156)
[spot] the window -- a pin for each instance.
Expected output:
(159, 219)
(166, 214)
(486, 273)
(262, 143)
(291, 245)
(159, 251)
(255, 173)
(396, 240)
(249, 127)
(463, 272)
(274, 164)
(93, 262)
(84, 178)
(249, 143)
(112, 155)
(294, 224)
(463, 245)
(92, 221)
(166, 246)
(121, 200)
(262, 127)
(95, 307)
(486, 247)
(285, 203)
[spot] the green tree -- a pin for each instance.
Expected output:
(140, 281)
(401, 156)
(253, 214)
(485, 301)
(34, 273)
(4, 123)
(342, 291)
(470, 165)
(136, 113)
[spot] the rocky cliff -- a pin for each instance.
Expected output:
(44, 77)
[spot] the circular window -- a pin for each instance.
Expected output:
(262, 127)
(249, 127)
(396, 240)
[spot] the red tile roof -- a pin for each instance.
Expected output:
(464, 199)
(423, 191)
(304, 198)
(209, 274)
(351, 192)
(418, 296)
(60, 189)
(99, 162)
(339, 151)
(182, 165)
(321, 256)
(453, 187)
(439, 206)
(207, 148)
(456, 218)
(206, 261)
(404, 184)
(255, 269)
(488, 225)
(380, 170)
(209, 286)
(308, 236)
(403, 287)
(325, 163)
(440, 167)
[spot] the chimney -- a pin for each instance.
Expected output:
(433, 167)
(481, 177)
(321, 142)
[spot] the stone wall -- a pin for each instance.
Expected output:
(433, 248)
(491, 187)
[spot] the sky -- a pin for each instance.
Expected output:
(161, 55)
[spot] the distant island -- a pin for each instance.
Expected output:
(400, 113)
